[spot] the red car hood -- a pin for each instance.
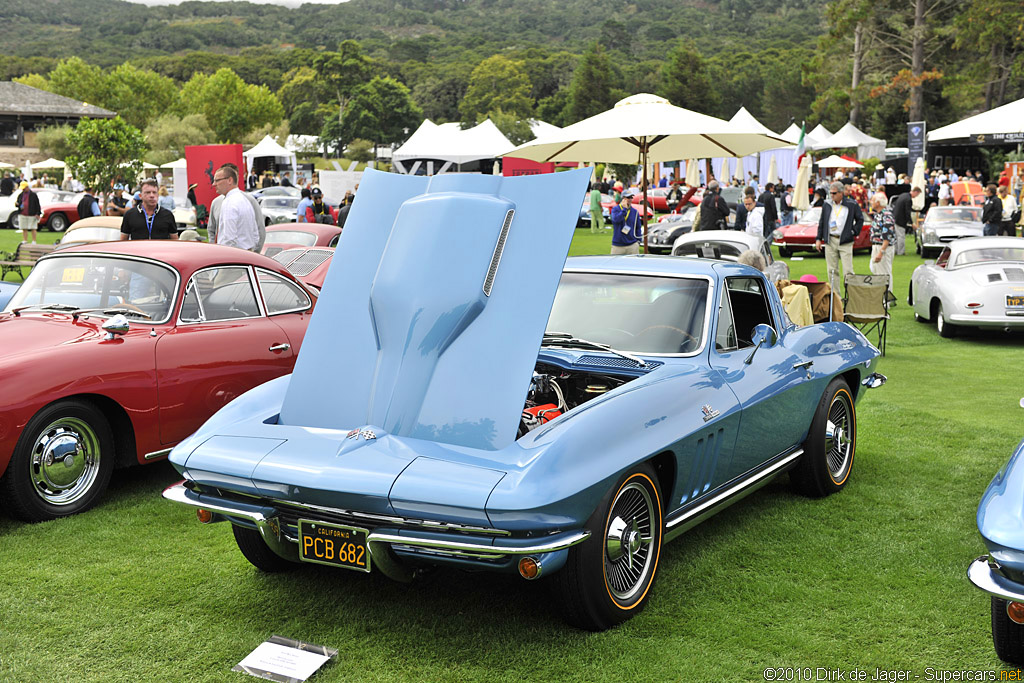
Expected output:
(801, 230)
(34, 332)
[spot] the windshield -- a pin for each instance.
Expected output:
(988, 255)
(949, 214)
(720, 251)
(637, 313)
(732, 195)
(303, 239)
(280, 202)
(91, 234)
(99, 282)
(813, 215)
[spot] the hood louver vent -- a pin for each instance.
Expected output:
(496, 257)
(605, 362)
(1014, 274)
(994, 277)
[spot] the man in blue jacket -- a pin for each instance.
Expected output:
(626, 228)
(840, 223)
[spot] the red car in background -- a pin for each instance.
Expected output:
(657, 198)
(308, 265)
(281, 236)
(60, 209)
(967, 193)
(116, 352)
(801, 235)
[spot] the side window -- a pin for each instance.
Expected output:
(223, 293)
(749, 307)
(725, 337)
(281, 295)
(943, 258)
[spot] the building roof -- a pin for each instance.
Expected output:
(16, 98)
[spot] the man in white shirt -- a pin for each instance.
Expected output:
(237, 225)
(755, 217)
(840, 223)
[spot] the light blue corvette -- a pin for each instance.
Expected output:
(1001, 572)
(467, 397)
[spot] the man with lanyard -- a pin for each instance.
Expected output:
(319, 211)
(147, 220)
(626, 227)
(840, 223)
(236, 225)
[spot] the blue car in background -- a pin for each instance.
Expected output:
(1001, 572)
(466, 397)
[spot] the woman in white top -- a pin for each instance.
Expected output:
(944, 193)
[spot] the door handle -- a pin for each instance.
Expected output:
(280, 347)
(803, 365)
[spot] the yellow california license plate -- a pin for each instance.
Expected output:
(334, 544)
(73, 275)
(1014, 301)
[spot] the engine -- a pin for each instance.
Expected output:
(554, 391)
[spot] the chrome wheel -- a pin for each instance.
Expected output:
(65, 461)
(838, 437)
(629, 556)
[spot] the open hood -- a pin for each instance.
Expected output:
(432, 312)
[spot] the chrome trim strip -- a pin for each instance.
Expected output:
(489, 550)
(156, 454)
(984, 577)
(678, 276)
(735, 489)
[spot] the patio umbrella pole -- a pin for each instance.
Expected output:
(643, 152)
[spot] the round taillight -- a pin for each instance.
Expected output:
(1015, 611)
(529, 569)
(204, 516)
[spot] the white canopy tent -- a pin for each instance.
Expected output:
(268, 147)
(850, 136)
(836, 161)
(541, 128)
(177, 163)
(759, 164)
(450, 144)
(49, 163)
(1002, 124)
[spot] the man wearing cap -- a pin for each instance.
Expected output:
(626, 227)
(840, 223)
(147, 220)
(319, 211)
(28, 211)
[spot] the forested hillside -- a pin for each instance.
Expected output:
(557, 60)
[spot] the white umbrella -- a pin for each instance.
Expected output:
(6, 165)
(917, 180)
(49, 163)
(773, 171)
(496, 169)
(692, 176)
(739, 170)
(723, 171)
(644, 128)
(801, 202)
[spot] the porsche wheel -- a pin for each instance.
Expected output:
(259, 554)
(825, 466)
(61, 463)
(1007, 635)
(945, 329)
(58, 222)
(607, 578)
(785, 252)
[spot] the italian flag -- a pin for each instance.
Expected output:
(800, 148)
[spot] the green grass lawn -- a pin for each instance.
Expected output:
(137, 590)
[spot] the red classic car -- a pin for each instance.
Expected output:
(657, 198)
(60, 209)
(308, 264)
(282, 236)
(800, 236)
(114, 353)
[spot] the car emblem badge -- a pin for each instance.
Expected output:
(368, 434)
(709, 412)
(353, 434)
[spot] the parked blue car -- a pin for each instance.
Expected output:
(1001, 572)
(466, 397)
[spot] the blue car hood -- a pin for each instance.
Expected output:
(432, 312)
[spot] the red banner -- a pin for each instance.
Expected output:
(204, 160)
(515, 166)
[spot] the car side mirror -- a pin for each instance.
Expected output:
(762, 335)
(116, 325)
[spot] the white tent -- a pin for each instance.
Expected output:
(268, 147)
(850, 136)
(541, 128)
(758, 164)
(996, 125)
(451, 144)
(48, 163)
(791, 134)
(178, 163)
(835, 161)
(819, 133)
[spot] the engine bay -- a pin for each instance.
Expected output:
(555, 390)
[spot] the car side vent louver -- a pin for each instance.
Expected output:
(1014, 274)
(994, 277)
(308, 262)
(498, 248)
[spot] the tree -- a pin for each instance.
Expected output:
(168, 135)
(359, 150)
(231, 107)
(105, 150)
(381, 111)
(591, 89)
(53, 141)
(995, 29)
(511, 126)
(685, 80)
(497, 83)
(139, 95)
(343, 71)
(80, 81)
(34, 81)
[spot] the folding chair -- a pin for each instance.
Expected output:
(866, 304)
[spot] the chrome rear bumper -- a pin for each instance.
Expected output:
(267, 521)
(983, 576)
